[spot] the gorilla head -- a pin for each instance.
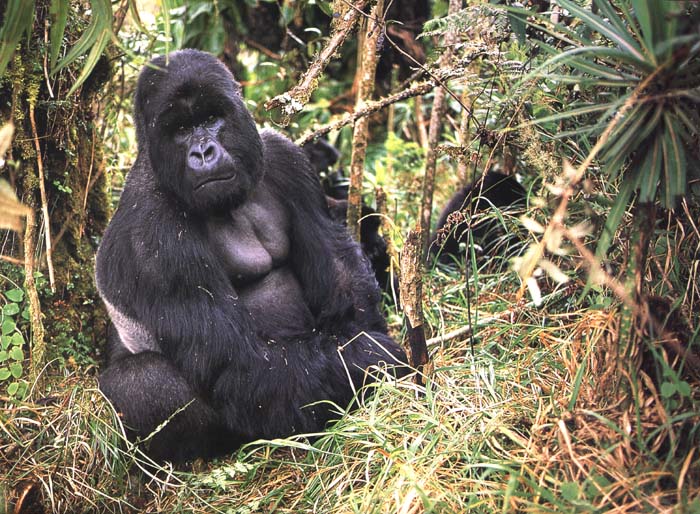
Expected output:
(200, 138)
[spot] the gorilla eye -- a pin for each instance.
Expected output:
(182, 131)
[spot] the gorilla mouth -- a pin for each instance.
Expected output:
(212, 180)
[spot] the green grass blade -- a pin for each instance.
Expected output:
(18, 19)
(58, 12)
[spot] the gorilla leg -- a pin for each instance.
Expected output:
(146, 390)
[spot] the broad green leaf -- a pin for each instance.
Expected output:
(4, 374)
(8, 326)
(14, 295)
(16, 369)
(4, 355)
(16, 353)
(10, 309)
(91, 61)
(668, 389)
(12, 388)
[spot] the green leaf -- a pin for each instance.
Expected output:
(14, 295)
(326, 7)
(570, 491)
(12, 388)
(614, 217)
(58, 11)
(8, 326)
(675, 162)
(4, 374)
(10, 309)
(684, 389)
(18, 19)
(677, 179)
(616, 34)
(668, 389)
(5, 342)
(92, 42)
(644, 17)
(579, 111)
(4, 355)
(650, 171)
(16, 353)
(625, 138)
(16, 369)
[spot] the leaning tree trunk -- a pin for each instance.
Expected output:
(56, 168)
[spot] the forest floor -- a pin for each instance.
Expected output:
(537, 412)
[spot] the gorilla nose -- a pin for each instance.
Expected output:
(203, 156)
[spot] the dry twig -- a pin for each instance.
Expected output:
(293, 100)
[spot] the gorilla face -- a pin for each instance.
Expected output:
(203, 145)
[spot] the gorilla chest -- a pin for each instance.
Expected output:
(252, 241)
(253, 247)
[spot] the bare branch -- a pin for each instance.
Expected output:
(369, 108)
(293, 100)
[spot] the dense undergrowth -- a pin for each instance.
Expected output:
(539, 411)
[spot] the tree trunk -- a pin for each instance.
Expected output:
(57, 148)
(374, 28)
(434, 133)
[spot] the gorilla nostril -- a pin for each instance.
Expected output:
(210, 152)
(203, 156)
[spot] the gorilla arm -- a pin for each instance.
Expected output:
(338, 283)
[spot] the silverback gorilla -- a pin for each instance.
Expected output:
(240, 310)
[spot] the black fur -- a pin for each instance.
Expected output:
(463, 217)
(323, 157)
(239, 308)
